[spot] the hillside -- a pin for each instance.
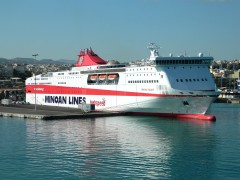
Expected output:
(20, 60)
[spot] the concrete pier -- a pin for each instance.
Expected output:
(50, 112)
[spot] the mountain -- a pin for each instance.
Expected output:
(3, 61)
(20, 60)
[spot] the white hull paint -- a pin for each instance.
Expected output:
(178, 85)
(196, 105)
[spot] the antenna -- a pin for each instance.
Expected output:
(153, 46)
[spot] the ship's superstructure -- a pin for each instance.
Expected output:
(167, 86)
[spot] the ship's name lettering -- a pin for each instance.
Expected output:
(147, 89)
(98, 103)
(65, 99)
(39, 89)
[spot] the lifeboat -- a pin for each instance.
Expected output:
(102, 77)
(93, 78)
(112, 76)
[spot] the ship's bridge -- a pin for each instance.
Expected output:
(183, 60)
(188, 74)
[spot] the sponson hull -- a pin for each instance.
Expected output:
(165, 86)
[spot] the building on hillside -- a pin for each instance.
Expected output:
(6, 71)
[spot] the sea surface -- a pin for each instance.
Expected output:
(134, 147)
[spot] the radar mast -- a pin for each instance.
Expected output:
(153, 50)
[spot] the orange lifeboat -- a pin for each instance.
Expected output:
(93, 78)
(102, 77)
(112, 76)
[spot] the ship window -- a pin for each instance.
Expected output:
(190, 80)
(181, 80)
(205, 79)
(177, 80)
(186, 80)
(194, 80)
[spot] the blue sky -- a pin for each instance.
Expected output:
(119, 29)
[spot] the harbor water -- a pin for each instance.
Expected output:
(123, 147)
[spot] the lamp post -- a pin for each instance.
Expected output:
(35, 56)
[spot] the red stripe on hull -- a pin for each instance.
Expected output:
(45, 89)
(179, 116)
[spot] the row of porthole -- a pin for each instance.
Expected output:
(192, 80)
(72, 73)
(167, 67)
(140, 74)
(139, 69)
(130, 75)
(143, 81)
(67, 77)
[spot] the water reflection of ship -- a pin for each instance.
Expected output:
(158, 141)
(155, 145)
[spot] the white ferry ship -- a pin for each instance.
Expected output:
(180, 87)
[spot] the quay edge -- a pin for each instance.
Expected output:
(57, 113)
(50, 112)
